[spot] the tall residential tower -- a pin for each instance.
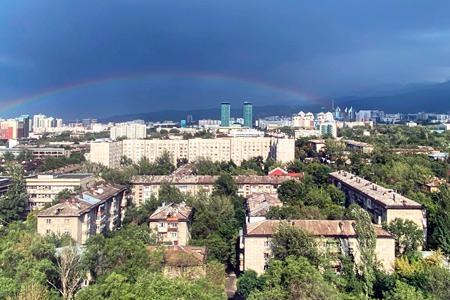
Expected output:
(225, 108)
(248, 114)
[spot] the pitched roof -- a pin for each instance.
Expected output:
(386, 197)
(80, 204)
(207, 179)
(258, 204)
(331, 228)
(183, 256)
(181, 212)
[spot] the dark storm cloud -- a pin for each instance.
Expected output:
(321, 48)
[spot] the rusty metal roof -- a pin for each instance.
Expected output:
(386, 197)
(331, 228)
(180, 211)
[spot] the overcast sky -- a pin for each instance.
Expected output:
(101, 58)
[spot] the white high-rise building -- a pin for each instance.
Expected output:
(129, 130)
(42, 123)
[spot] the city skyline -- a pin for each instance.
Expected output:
(143, 56)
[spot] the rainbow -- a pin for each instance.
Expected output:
(9, 104)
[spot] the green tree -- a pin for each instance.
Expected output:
(289, 240)
(366, 243)
(225, 185)
(249, 282)
(13, 203)
(408, 237)
(170, 194)
(291, 191)
(403, 291)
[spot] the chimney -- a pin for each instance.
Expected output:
(341, 226)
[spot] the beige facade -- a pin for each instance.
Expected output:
(333, 236)
(42, 189)
(128, 130)
(171, 224)
(220, 149)
(107, 154)
(143, 187)
(383, 204)
(95, 211)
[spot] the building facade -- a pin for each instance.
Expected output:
(225, 110)
(42, 189)
(336, 237)
(220, 149)
(247, 114)
(172, 223)
(96, 211)
(146, 186)
(384, 205)
(128, 130)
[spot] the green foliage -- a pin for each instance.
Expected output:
(408, 237)
(150, 286)
(170, 194)
(51, 163)
(366, 243)
(249, 282)
(294, 278)
(13, 203)
(403, 291)
(293, 241)
(124, 252)
(162, 166)
(225, 185)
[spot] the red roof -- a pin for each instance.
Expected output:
(277, 172)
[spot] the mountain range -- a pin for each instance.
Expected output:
(423, 97)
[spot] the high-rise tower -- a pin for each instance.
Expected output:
(248, 114)
(225, 114)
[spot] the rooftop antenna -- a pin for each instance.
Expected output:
(332, 104)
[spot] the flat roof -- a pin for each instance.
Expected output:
(386, 197)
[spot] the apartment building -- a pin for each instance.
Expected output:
(107, 154)
(43, 188)
(334, 236)
(383, 204)
(172, 222)
(128, 130)
(358, 146)
(184, 261)
(219, 149)
(96, 211)
(143, 187)
(258, 205)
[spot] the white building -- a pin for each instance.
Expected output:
(129, 130)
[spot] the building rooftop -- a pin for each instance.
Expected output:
(357, 143)
(63, 176)
(384, 196)
(325, 228)
(80, 204)
(183, 256)
(258, 204)
(207, 179)
(180, 212)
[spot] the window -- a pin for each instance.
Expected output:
(266, 243)
(48, 231)
(48, 221)
(161, 225)
(173, 234)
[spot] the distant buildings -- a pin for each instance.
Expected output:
(42, 123)
(307, 125)
(337, 237)
(225, 110)
(42, 189)
(172, 224)
(219, 149)
(14, 128)
(129, 130)
(97, 211)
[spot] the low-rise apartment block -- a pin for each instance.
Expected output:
(219, 149)
(43, 188)
(383, 204)
(334, 236)
(172, 224)
(98, 210)
(358, 146)
(258, 205)
(143, 187)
